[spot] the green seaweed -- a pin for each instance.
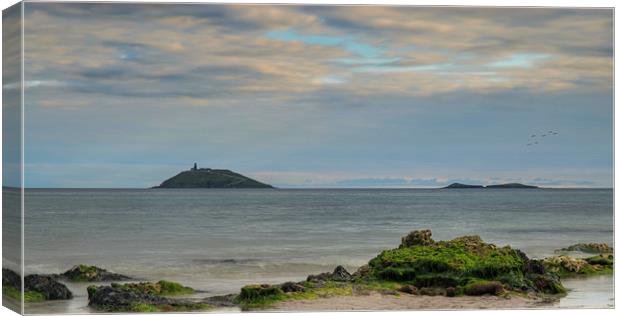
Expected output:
(29, 296)
(259, 296)
(446, 263)
(264, 296)
(85, 273)
(161, 288)
(143, 308)
(567, 267)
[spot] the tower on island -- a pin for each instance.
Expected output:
(195, 166)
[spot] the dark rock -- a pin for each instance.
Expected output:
(9, 277)
(409, 289)
(288, 287)
(85, 273)
(109, 298)
(48, 286)
(535, 267)
(417, 238)
(361, 271)
(450, 292)
(340, 274)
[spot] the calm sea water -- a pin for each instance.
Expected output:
(219, 240)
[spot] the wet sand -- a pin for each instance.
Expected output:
(377, 301)
(590, 292)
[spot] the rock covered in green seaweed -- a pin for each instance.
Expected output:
(142, 297)
(566, 266)
(86, 273)
(459, 263)
(592, 247)
(47, 286)
(37, 287)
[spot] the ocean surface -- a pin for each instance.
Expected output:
(220, 240)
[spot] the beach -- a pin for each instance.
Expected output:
(378, 301)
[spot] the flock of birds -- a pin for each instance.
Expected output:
(533, 137)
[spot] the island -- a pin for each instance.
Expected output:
(208, 178)
(457, 185)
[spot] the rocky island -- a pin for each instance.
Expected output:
(457, 185)
(208, 178)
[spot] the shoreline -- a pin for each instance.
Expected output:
(421, 273)
(578, 296)
(583, 292)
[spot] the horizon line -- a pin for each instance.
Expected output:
(291, 188)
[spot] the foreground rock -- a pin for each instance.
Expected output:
(467, 264)
(47, 286)
(86, 273)
(36, 287)
(10, 278)
(138, 297)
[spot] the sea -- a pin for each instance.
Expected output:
(219, 240)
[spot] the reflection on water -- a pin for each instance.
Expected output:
(591, 292)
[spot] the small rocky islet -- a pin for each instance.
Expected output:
(419, 266)
(457, 185)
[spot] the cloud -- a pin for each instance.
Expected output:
(302, 49)
(325, 91)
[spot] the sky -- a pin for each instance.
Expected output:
(127, 95)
